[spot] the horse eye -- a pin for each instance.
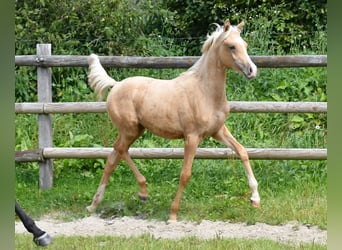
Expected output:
(232, 47)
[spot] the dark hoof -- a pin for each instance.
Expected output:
(143, 198)
(43, 240)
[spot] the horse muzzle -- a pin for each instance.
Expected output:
(250, 71)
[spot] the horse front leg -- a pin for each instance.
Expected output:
(190, 147)
(111, 163)
(228, 139)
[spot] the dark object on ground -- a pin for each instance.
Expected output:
(40, 238)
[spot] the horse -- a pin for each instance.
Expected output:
(192, 106)
(40, 237)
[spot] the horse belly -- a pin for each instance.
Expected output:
(162, 124)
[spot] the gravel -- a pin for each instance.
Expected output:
(94, 225)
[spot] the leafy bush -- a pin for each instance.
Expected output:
(286, 22)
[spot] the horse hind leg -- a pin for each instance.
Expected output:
(120, 151)
(122, 147)
(228, 139)
(111, 163)
(141, 180)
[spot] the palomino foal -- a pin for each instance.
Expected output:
(191, 106)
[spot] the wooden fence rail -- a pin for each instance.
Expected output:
(45, 108)
(164, 62)
(174, 153)
(235, 107)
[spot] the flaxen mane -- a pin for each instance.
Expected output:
(215, 37)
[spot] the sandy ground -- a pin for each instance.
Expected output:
(128, 226)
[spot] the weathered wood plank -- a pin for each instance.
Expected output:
(45, 135)
(290, 61)
(236, 107)
(202, 153)
(29, 155)
(29, 108)
(278, 107)
(164, 62)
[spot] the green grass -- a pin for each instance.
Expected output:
(218, 190)
(150, 243)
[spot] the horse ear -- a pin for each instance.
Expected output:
(226, 25)
(240, 25)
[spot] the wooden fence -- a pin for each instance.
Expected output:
(45, 108)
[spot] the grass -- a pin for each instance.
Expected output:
(23, 241)
(215, 192)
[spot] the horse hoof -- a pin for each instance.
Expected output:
(255, 204)
(171, 222)
(172, 219)
(143, 198)
(43, 240)
(90, 209)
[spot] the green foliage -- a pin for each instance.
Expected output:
(26, 132)
(81, 27)
(81, 140)
(286, 22)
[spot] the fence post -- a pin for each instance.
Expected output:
(44, 120)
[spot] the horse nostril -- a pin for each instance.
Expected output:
(250, 70)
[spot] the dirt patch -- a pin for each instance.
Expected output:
(128, 226)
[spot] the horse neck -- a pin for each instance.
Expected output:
(212, 75)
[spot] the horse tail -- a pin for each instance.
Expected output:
(98, 78)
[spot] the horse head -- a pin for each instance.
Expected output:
(232, 50)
